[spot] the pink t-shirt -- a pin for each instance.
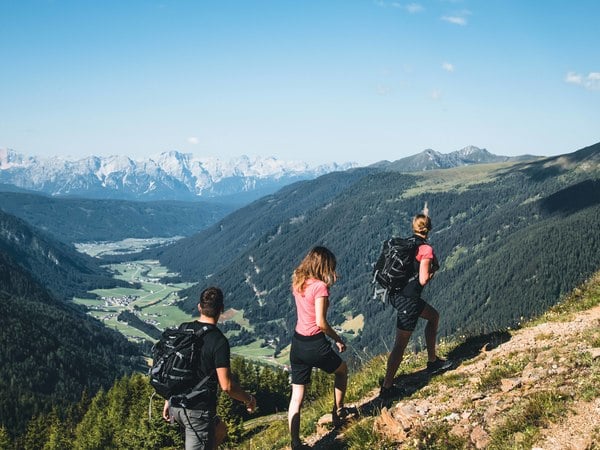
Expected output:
(425, 252)
(305, 306)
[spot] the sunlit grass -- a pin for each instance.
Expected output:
(522, 423)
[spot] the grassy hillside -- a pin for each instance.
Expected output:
(538, 386)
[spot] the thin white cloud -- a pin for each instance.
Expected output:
(383, 90)
(386, 4)
(458, 18)
(573, 78)
(590, 82)
(448, 67)
(436, 94)
(414, 8)
(193, 140)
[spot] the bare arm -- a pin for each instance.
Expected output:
(233, 389)
(321, 305)
(165, 413)
(425, 272)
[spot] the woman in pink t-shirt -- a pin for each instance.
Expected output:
(310, 347)
(411, 307)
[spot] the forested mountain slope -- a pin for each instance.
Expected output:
(55, 265)
(206, 252)
(50, 351)
(511, 239)
(83, 220)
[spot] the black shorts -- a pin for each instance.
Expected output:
(311, 351)
(409, 310)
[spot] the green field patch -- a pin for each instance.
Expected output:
(452, 259)
(153, 301)
(255, 352)
(354, 324)
(237, 316)
(130, 245)
(166, 316)
(283, 359)
(459, 178)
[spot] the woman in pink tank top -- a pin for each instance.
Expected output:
(310, 347)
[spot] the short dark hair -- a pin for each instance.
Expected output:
(211, 302)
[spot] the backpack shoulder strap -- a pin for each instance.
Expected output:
(205, 328)
(418, 240)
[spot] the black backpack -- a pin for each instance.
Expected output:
(174, 371)
(396, 264)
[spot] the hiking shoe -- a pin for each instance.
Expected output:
(392, 392)
(341, 415)
(439, 365)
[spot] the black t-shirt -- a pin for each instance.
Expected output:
(215, 353)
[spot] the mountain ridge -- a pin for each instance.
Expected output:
(430, 159)
(171, 175)
(59, 267)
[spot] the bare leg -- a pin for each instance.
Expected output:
(433, 318)
(395, 357)
(339, 385)
(294, 412)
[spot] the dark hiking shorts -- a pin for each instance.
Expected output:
(409, 310)
(311, 351)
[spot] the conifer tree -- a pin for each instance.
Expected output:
(5, 441)
(227, 411)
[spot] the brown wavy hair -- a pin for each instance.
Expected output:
(320, 264)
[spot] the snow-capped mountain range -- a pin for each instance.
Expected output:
(168, 176)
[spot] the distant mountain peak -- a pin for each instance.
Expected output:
(170, 175)
(430, 159)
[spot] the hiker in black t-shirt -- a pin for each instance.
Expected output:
(203, 428)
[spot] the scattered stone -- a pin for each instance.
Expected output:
(531, 374)
(508, 384)
(595, 352)
(460, 430)
(477, 396)
(452, 417)
(407, 415)
(479, 437)
(386, 425)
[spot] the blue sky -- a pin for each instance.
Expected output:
(319, 81)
